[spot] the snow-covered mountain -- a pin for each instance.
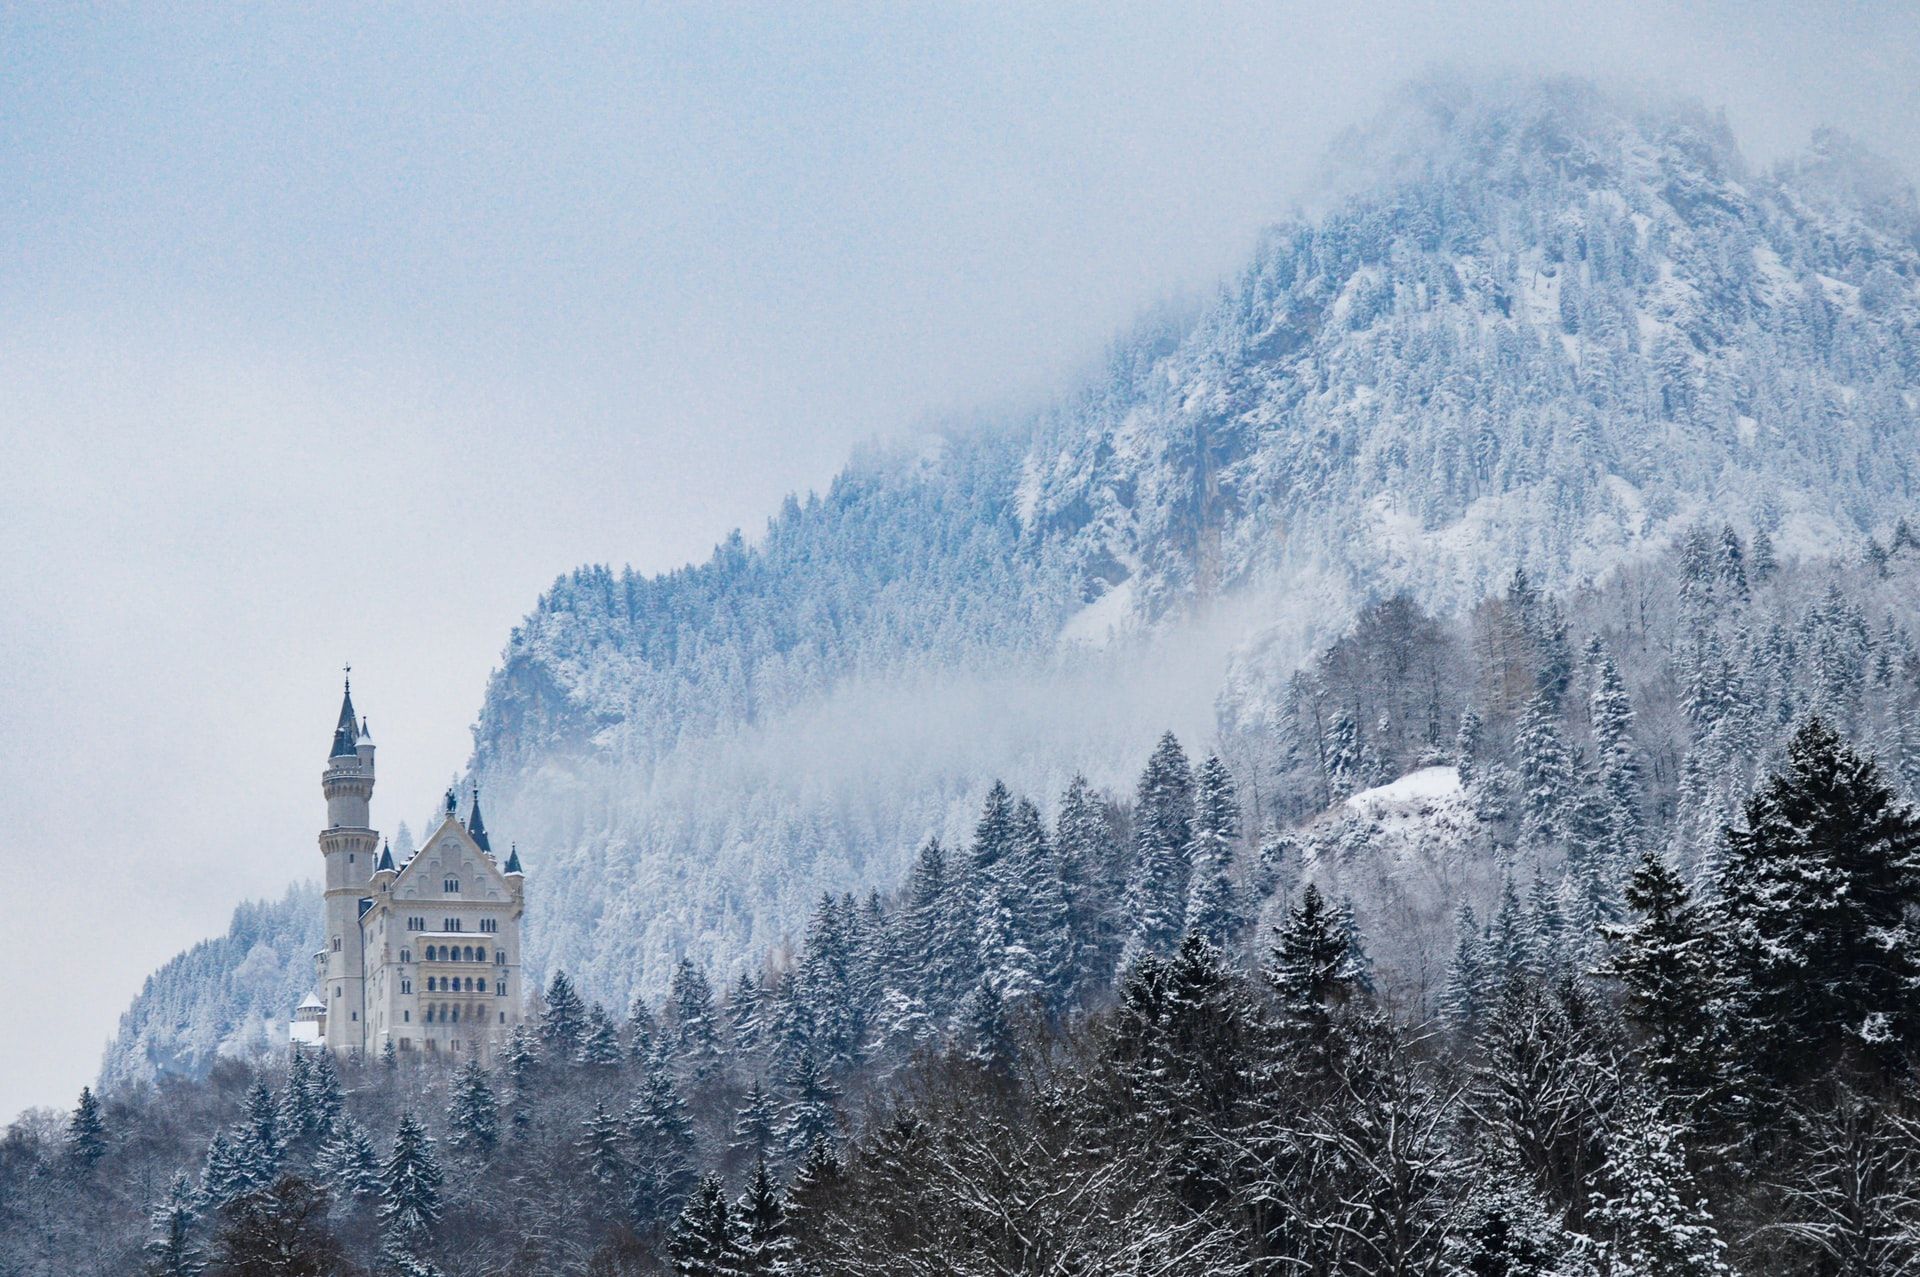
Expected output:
(1541, 324)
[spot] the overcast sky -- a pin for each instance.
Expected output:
(332, 336)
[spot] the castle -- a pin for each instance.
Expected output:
(425, 955)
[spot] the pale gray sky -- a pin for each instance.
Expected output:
(337, 335)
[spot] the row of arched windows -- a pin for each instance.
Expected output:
(456, 984)
(461, 953)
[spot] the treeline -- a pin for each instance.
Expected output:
(1149, 1036)
(1727, 1089)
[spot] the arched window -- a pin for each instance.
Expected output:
(483, 984)
(456, 1013)
(406, 955)
(469, 953)
(429, 1013)
(500, 957)
(429, 953)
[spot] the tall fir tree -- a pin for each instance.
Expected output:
(1214, 909)
(410, 1196)
(808, 1116)
(756, 1122)
(1666, 962)
(348, 1166)
(473, 1114)
(696, 1031)
(86, 1131)
(1083, 849)
(1546, 772)
(1817, 890)
(703, 1243)
(765, 1242)
(1310, 966)
(170, 1247)
(1650, 1216)
(600, 1043)
(1156, 899)
(564, 1021)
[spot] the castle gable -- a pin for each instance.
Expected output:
(449, 854)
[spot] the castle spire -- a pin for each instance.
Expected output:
(346, 732)
(513, 860)
(477, 827)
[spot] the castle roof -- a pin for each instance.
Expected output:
(311, 1001)
(513, 860)
(386, 859)
(476, 827)
(346, 733)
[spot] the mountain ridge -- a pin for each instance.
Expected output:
(1547, 326)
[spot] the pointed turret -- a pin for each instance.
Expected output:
(476, 826)
(386, 859)
(346, 732)
(513, 860)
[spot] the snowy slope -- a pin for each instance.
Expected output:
(1528, 324)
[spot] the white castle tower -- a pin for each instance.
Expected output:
(425, 955)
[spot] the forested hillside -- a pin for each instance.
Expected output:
(1542, 329)
(1591, 952)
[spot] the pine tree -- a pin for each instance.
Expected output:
(603, 1148)
(1039, 905)
(1465, 997)
(1467, 745)
(993, 834)
(766, 1245)
(1007, 965)
(564, 1022)
(221, 1176)
(644, 1043)
(1506, 1230)
(661, 1136)
(1763, 563)
(1156, 899)
(1546, 772)
(1611, 712)
(258, 1151)
(1214, 911)
(473, 1115)
(756, 1122)
(1730, 563)
(1082, 851)
(389, 1056)
(696, 1036)
(984, 1028)
(411, 1179)
(348, 1166)
(170, 1249)
(1666, 962)
(1346, 762)
(326, 1102)
(86, 1131)
(703, 1242)
(808, 1117)
(1310, 966)
(1651, 1217)
(743, 1015)
(600, 1044)
(813, 1192)
(297, 1117)
(1816, 893)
